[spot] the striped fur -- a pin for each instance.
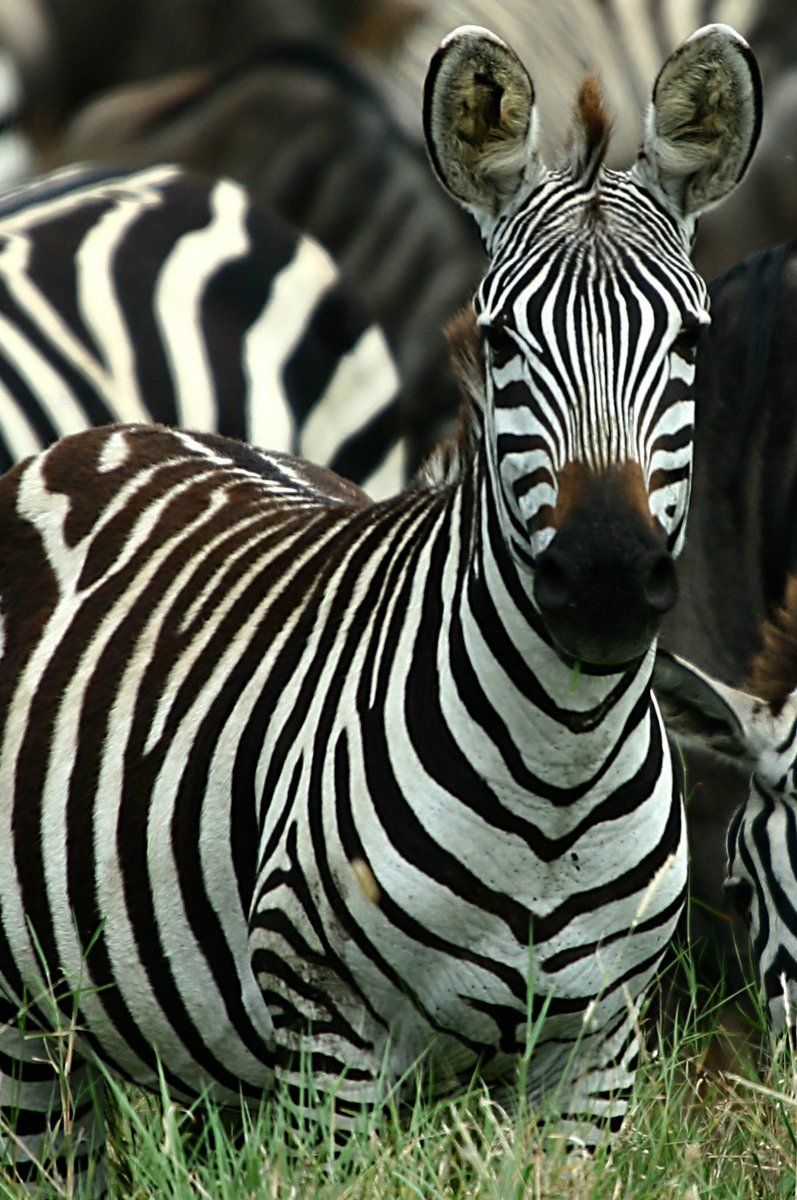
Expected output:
(155, 295)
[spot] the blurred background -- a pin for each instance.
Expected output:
(315, 106)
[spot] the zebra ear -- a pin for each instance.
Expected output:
(698, 710)
(479, 121)
(704, 121)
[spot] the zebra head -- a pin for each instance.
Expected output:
(589, 315)
(757, 731)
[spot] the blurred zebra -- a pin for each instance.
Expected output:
(155, 295)
(290, 778)
(755, 729)
(305, 131)
(271, 96)
(17, 154)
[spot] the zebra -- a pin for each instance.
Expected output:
(754, 728)
(292, 779)
(271, 95)
(155, 294)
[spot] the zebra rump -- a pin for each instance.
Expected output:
(157, 295)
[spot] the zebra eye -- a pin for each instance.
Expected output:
(740, 894)
(502, 345)
(687, 342)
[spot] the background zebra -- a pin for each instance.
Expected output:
(739, 551)
(322, 769)
(157, 295)
(270, 94)
(757, 730)
(309, 135)
(303, 120)
(294, 101)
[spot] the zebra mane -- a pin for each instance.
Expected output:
(589, 134)
(449, 461)
(773, 672)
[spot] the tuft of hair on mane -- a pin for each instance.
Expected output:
(773, 671)
(449, 461)
(589, 133)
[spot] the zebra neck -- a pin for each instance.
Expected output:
(505, 682)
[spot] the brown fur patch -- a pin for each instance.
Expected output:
(592, 116)
(632, 486)
(467, 354)
(773, 671)
(448, 461)
(589, 137)
(572, 483)
(577, 480)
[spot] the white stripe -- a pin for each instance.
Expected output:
(273, 337)
(178, 299)
(366, 373)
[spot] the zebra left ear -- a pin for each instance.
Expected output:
(698, 710)
(704, 121)
(479, 121)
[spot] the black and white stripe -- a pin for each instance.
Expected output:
(136, 295)
(291, 778)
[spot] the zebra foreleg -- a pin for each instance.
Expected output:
(596, 1103)
(51, 1111)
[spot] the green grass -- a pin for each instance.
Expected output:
(695, 1133)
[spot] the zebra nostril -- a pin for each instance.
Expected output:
(553, 582)
(661, 585)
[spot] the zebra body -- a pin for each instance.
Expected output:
(136, 295)
(351, 762)
(301, 776)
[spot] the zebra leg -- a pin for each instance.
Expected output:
(51, 1111)
(596, 1102)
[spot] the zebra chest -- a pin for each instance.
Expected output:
(383, 937)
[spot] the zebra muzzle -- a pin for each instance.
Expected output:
(605, 581)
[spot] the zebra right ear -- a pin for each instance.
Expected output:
(704, 121)
(480, 123)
